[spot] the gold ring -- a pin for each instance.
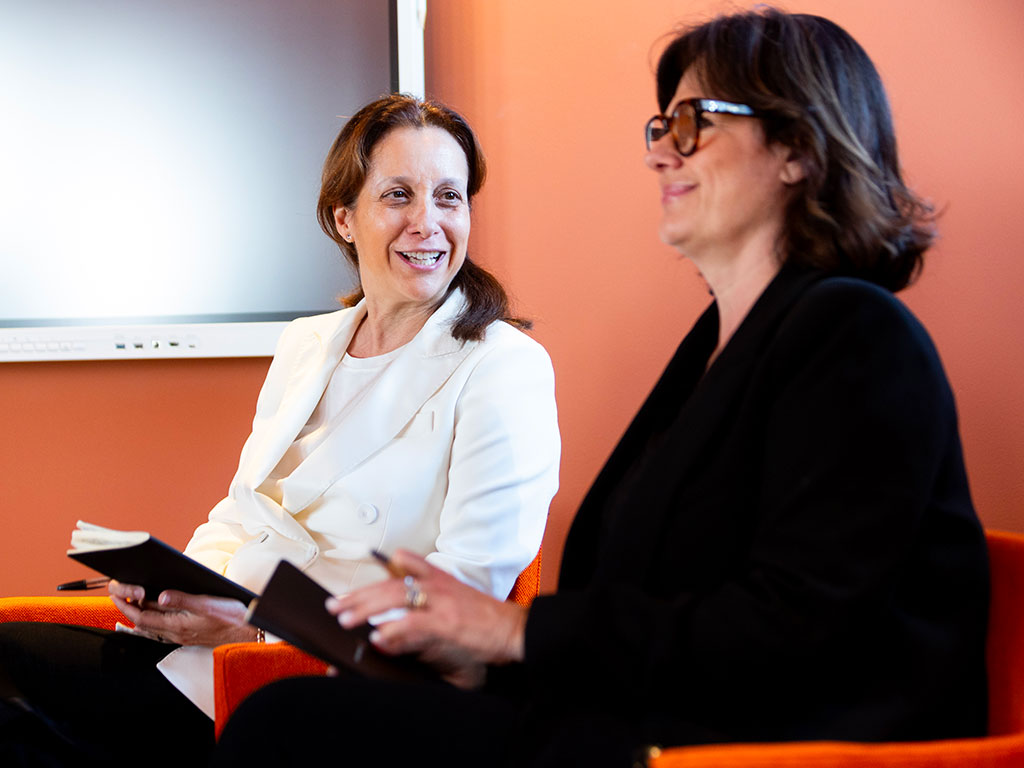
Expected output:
(414, 596)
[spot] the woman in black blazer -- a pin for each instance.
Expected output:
(783, 545)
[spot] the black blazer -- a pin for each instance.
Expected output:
(783, 548)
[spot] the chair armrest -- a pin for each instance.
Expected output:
(527, 584)
(991, 752)
(241, 668)
(79, 611)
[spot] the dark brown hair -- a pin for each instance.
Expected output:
(821, 95)
(345, 171)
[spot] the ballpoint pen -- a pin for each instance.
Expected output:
(396, 571)
(83, 584)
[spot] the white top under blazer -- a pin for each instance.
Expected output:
(452, 452)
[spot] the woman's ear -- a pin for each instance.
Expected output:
(341, 222)
(792, 171)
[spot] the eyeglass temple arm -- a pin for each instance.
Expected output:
(714, 105)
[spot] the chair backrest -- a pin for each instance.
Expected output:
(1006, 633)
(527, 584)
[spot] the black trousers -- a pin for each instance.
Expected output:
(358, 721)
(84, 696)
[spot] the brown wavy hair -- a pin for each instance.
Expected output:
(345, 171)
(821, 95)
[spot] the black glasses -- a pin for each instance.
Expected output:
(685, 121)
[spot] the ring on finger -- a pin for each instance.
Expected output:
(414, 596)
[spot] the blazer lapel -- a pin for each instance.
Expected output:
(583, 550)
(412, 378)
(316, 360)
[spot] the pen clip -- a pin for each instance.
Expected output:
(82, 584)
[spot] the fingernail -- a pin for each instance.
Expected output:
(345, 619)
(163, 599)
(331, 603)
(375, 637)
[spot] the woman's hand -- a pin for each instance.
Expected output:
(178, 617)
(456, 628)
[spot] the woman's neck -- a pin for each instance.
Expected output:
(385, 329)
(736, 284)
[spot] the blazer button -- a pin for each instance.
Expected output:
(367, 513)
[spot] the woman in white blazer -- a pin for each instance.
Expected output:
(452, 453)
(419, 417)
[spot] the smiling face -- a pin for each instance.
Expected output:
(730, 195)
(410, 223)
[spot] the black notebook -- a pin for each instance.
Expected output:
(135, 557)
(292, 607)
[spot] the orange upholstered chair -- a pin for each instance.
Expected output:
(1002, 748)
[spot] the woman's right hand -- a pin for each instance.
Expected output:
(457, 629)
(178, 617)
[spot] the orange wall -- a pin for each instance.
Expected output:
(133, 444)
(559, 92)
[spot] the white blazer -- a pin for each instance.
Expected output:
(453, 453)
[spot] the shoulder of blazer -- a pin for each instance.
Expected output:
(865, 309)
(515, 359)
(501, 334)
(838, 294)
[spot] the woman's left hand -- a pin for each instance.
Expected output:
(455, 628)
(178, 617)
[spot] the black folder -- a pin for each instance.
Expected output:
(158, 566)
